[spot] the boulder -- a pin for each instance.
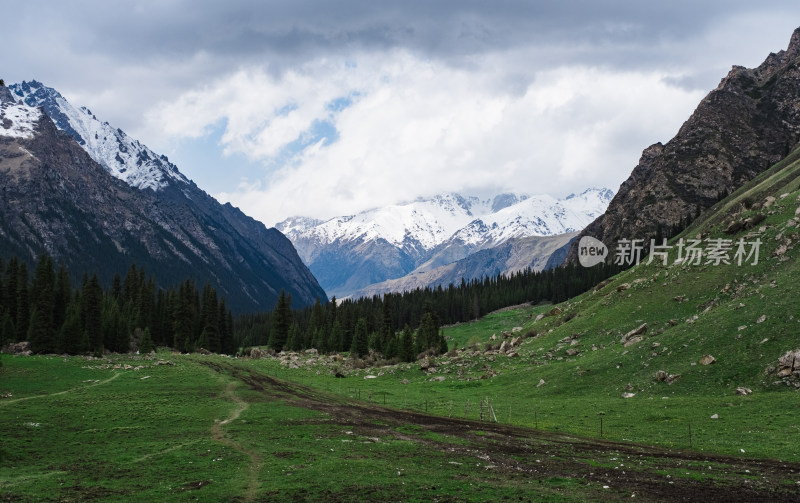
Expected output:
(572, 352)
(661, 376)
(638, 331)
(516, 329)
(539, 317)
(555, 311)
(503, 347)
(633, 340)
(256, 353)
(743, 391)
(437, 379)
(707, 360)
(628, 395)
(515, 341)
(672, 378)
(541, 383)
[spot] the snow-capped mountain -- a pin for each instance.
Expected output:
(122, 156)
(348, 253)
(99, 201)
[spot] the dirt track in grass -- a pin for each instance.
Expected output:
(649, 473)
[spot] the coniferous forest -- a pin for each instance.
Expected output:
(384, 323)
(132, 314)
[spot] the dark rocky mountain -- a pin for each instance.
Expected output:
(749, 122)
(57, 199)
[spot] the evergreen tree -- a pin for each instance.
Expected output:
(407, 352)
(41, 331)
(92, 309)
(359, 346)
(281, 322)
(23, 303)
(210, 317)
(71, 334)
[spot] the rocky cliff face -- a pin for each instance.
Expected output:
(749, 122)
(57, 199)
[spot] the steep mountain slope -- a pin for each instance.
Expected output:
(349, 253)
(749, 122)
(57, 199)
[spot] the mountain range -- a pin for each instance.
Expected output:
(97, 200)
(436, 240)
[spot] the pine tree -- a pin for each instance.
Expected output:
(41, 331)
(359, 346)
(71, 334)
(146, 344)
(23, 303)
(92, 309)
(281, 322)
(407, 351)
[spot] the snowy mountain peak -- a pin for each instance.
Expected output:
(121, 155)
(428, 223)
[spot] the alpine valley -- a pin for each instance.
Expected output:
(97, 200)
(441, 240)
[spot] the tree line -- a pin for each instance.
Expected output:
(383, 323)
(131, 314)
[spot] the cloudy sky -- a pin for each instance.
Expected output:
(323, 108)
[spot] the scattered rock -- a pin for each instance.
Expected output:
(572, 352)
(633, 340)
(743, 391)
(638, 331)
(672, 378)
(769, 201)
(370, 377)
(661, 376)
(512, 354)
(762, 318)
(256, 353)
(20, 348)
(503, 347)
(437, 379)
(515, 342)
(715, 416)
(493, 337)
(404, 381)
(623, 287)
(539, 317)
(541, 383)
(516, 329)
(555, 311)
(629, 387)
(707, 360)
(628, 395)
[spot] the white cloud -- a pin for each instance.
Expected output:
(420, 127)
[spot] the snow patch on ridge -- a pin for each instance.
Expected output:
(18, 120)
